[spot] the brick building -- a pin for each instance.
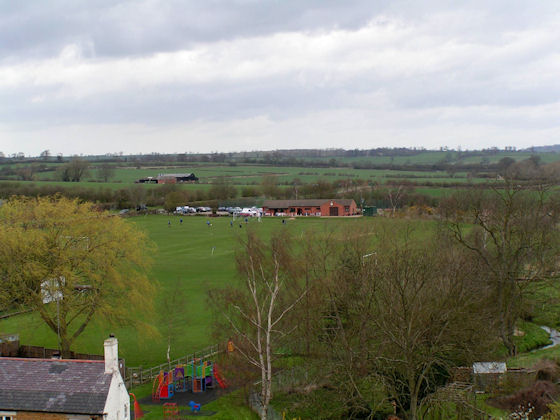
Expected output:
(57, 389)
(319, 207)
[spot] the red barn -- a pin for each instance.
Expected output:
(320, 207)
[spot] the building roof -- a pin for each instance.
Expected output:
(53, 386)
(489, 367)
(284, 204)
(176, 175)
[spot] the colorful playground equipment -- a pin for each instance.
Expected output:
(195, 407)
(197, 376)
(138, 414)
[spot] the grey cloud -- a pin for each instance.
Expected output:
(483, 66)
(132, 27)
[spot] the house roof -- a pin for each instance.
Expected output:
(53, 386)
(283, 204)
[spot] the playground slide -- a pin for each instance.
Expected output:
(218, 376)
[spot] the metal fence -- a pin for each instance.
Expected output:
(140, 375)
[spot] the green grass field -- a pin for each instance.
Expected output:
(185, 269)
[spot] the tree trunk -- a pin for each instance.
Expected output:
(506, 334)
(507, 318)
(65, 351)
(413, 398)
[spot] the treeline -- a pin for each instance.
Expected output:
(451, 160)
(222, 192)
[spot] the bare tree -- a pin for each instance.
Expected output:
(74, 170)
(258, 311)
(269, 186)
(45, 155)
(401, 319)
(396, 193)
(106, 171)
(513, 232)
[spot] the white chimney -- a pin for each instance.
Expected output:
(111, 354)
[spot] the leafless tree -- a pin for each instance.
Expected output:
(45, 155)
(74, 170)
(513, 233)
(257, 312)
(402, 319)
(106, 171)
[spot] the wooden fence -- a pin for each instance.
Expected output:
(140, 375)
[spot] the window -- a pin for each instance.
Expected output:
(7, 415)
(346, 209)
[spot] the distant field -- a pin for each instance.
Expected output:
(253, 174)
(241, 175)
(433, 157)
(185, 269)
(100, 185)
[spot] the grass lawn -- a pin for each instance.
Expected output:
(185, 268)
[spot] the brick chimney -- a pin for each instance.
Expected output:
(111, 354)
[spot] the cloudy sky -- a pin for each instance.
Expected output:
(107, 76)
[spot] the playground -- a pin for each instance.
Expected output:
(192, 385)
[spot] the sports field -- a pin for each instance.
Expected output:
(190, 259)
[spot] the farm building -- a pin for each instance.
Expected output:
(321, 207)
(168, 179)
(176, 178)
(64, 389)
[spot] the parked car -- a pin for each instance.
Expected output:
(249, 212)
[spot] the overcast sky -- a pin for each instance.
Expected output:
(107, 76)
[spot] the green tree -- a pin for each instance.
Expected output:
(71, 263)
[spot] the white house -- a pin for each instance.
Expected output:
(64, 389)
